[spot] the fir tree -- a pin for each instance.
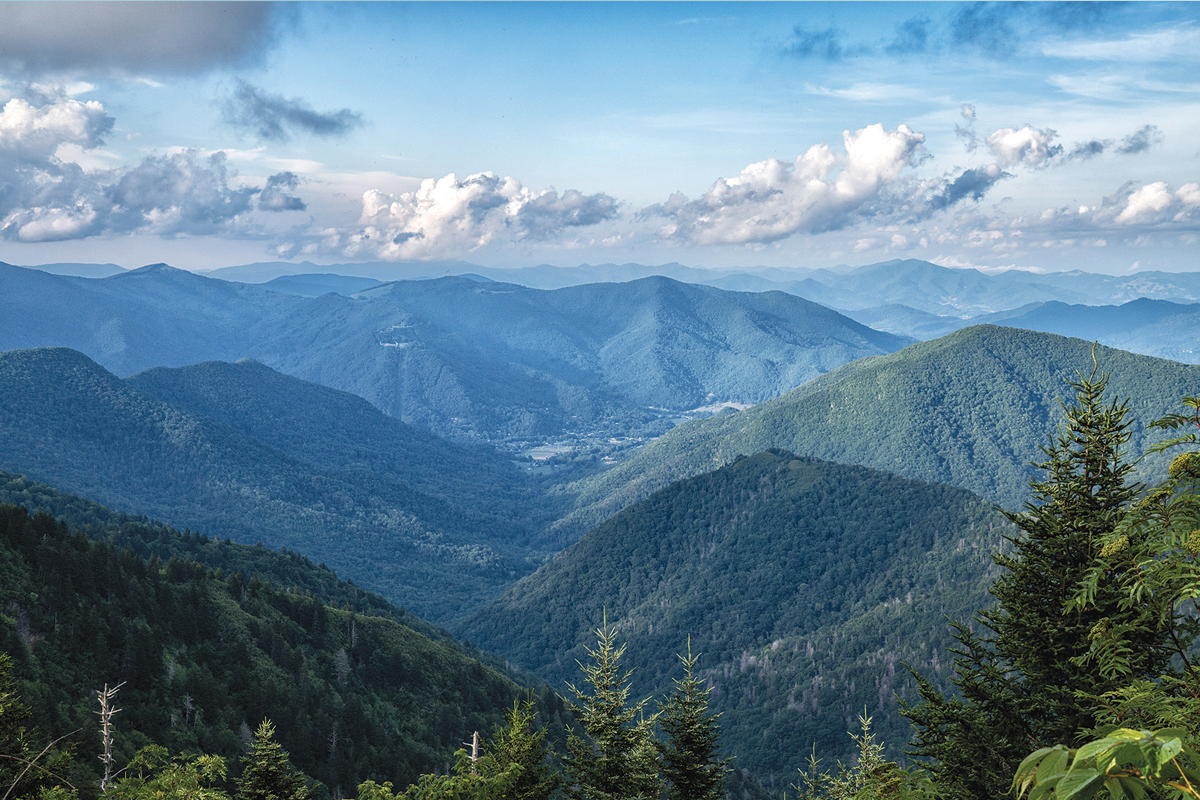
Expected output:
(26, 771)
(518, 743)
(267, 774)
(616, 758)
(690, 761)
(1021, 680)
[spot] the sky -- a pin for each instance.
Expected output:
(1042, 136)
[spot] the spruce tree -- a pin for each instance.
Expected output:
(615, 759)
(518, 743)
(1020, 677)
(267, 775)
(690, 755)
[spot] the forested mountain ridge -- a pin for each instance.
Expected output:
(206, 654)
(532, 363)
(968, 409)
(805, 584)
(66, 421)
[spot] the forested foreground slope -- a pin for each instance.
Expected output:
(206, 654)
(969, 409)
(805, 584)
(67, 421)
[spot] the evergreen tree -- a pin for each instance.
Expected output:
(267, 774)
(1021, 679)
(690, 761)
(518, 743)
(25, 771)
(616, 758)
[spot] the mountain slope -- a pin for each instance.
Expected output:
(523, 364)
(205, 655)
(805, 584)
(970, 409)
(67, 421)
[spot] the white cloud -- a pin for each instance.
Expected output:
(448, 216)
(1156, 203)
(1028, 146)
(34, 133)
(820, 191)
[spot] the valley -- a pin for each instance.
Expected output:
(731, 462)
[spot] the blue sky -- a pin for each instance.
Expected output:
(1042, 136)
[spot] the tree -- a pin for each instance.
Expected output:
(1022, 682)
(871, 778)
(616, 757)
(518, 743)
(690, 755)
(485, 779)
(24, 771)
(154, 775)
(267, 775)
(1148, 731)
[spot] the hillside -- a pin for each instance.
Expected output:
(67, 421)
(206, 654)
(524, 365)
(805, 584)
(969, 409)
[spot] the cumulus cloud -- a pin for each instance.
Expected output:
(820, 191)
(136, 37)
(450, 215)
(275, 195)
(1027, 146)
(278, 118)
(1155, 203)
(46, 198)
(967, 132)
(32, 133)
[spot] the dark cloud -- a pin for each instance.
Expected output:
(826, 44)
(972, 183)
(277, 118)
(137, 37)
(549, 213)
(1082, 151)
(987, 27)
(913, 36)
(274, 195)
(1140, 141)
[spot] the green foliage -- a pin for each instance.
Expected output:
(483, 779)
(266, 773)
(24, 772)
(203, 651)
(615, 758)
(1148, 728)
(690, 760)
(517, 742)
(1025, 683)
(871, 777)
(154, 775)
(806, 585)
(1127, 763)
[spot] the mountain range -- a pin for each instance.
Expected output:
(604, 359)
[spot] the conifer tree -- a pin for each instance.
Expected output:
(690, 755)
(615, 759)
(518, 743)
(1021, 678)
(267, 774)
(24, 770)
